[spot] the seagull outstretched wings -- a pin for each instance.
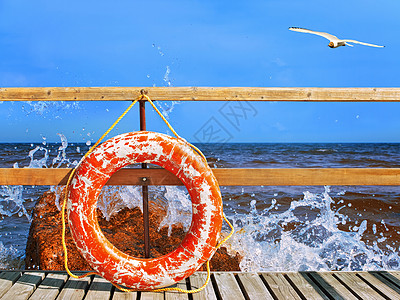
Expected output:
(334, 41)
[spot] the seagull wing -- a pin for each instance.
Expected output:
(323, 34)
(366, 44)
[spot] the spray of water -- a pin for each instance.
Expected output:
(166, 107)
(179, 208)
(299, 240)
(49, 109)
(12, 202)
(13, 199)
(176, 201)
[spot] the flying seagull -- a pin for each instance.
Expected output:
(334, 40)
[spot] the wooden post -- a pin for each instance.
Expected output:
(145, 188)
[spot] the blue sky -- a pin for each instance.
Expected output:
(200, 43)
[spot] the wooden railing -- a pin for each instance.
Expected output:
(249, 177)
(238, 177)
(201, 94)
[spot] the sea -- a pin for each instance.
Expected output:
(277, 228)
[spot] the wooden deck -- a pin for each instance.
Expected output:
(18, 285)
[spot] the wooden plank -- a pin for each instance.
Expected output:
(170, 295)
(280, 286)
(332, 286)
(308, 176)
(7, 279)
(120, 295)
(388, 279)
(196, 281)
(362, 289)
(228, 286)
(24, 287)
(254, 286)
(50, 287)
(381, 284)
(152, 296)
(395, 274)
(225, 176)
(200, 94)
(100, 288)
(306, 289)
(75, 289)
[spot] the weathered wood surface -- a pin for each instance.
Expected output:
(75, 289)
(100, 288)
(228, 287)
(225, 177)
(50, 287)
(223, 285)
(7, 279)
(201, 94)
(196, 281)
(305, 286)
(24, 287)
(254, 287)
(279, 286)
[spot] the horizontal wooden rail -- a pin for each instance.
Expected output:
(225, 177)
(201, 94)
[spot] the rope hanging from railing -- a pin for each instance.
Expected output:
(143, 96)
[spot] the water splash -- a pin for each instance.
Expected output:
(166, 107)
(41, 162)
(175, 200)
(62, 156)
(45, 108)
(12, 197)
(60, 160)
(179, 208)
(305, 237)
(113, 199)
(10, 258)
(12, 202)
(166, 78)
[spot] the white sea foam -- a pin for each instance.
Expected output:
(179, 208)
(271, 241)
(10, 257)
(175, 199)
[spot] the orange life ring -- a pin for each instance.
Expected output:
(177, 157)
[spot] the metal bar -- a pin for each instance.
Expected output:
(145, 188)
(202, 94)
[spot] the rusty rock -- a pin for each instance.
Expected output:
(124, 230)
